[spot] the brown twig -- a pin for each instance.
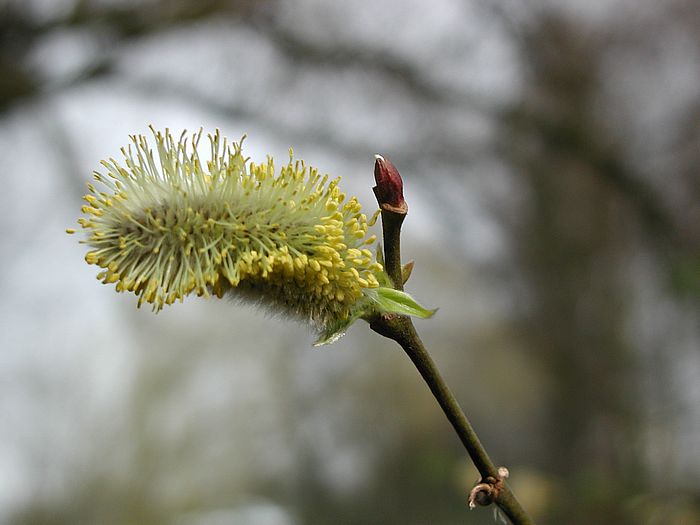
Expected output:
(492, 487)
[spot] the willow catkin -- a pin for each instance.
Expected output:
(166, 225)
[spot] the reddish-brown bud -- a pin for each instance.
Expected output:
(389, 188)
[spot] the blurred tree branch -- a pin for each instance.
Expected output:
(19, 31)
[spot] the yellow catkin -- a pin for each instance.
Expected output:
(166, 224)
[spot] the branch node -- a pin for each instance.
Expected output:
(488, 489)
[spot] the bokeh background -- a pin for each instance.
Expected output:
(550, 151)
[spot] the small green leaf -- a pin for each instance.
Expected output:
(406, 271)
(329, 336)
(377, 300)
(389, 300)
(336, 330)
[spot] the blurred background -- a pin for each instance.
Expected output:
(550, 153)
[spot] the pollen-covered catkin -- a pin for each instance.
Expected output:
(166, 224)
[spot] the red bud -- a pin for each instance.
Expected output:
(389, 188)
